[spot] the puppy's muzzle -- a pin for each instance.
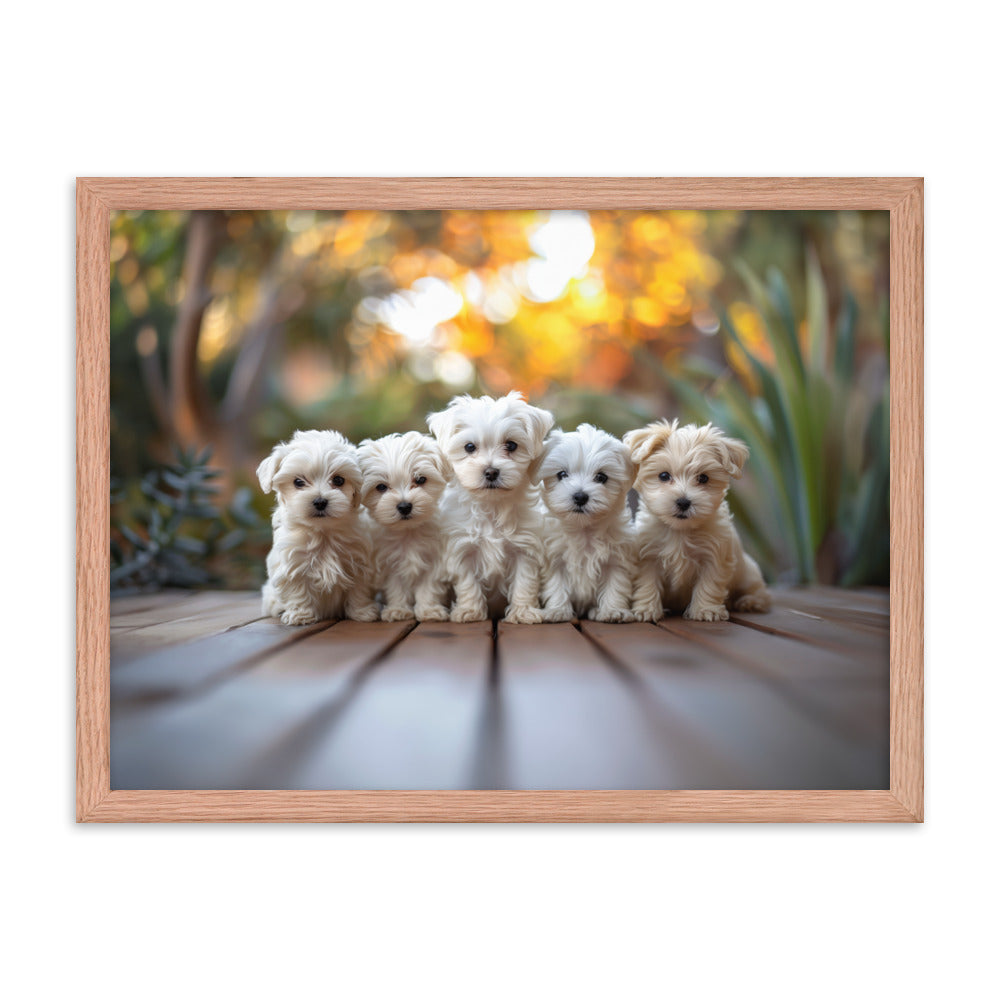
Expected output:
(683, 505)
(320, 503)
(491, 475)
(581, 499)
(404, 509)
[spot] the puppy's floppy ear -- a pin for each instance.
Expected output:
(539, 423)
(268, 469)
(438, 424)
(537, 470)
(363, 454)
(631, 469)
(356, 478)
(444, 423)
(436, 454)
(641, 443)
(734, 455)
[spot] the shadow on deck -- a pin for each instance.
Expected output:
(205, 694)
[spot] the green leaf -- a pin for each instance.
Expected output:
(817, 307)
(846, 325)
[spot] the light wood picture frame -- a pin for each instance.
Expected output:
(901, 197)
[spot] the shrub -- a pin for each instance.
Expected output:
(168, 531)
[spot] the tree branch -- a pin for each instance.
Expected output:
(190, 405)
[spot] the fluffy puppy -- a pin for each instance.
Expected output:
(492, 548)
(690, 557)
(403, 477)
(588, 545)
(319, 565)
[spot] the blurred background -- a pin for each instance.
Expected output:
(230, 330)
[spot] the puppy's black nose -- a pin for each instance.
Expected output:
(492, 475)
(580, 498)
(683, 503)
(320, 503)
(404, 508)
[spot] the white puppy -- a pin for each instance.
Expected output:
(320, 563)
(588, 543)
(404, 476)
(690, 557)
(493, 524)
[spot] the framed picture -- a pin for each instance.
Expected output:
(216, 317)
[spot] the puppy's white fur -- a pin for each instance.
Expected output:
(588, 543)
(404, 476)
(690, 557)
(492, 519)
(320, 563)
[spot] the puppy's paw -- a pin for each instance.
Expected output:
(615, 615)
(399, 614)
(364, 613)
(468, 613)
(707, 613)
(647, 613)
(298, 616)
(431, 613)
(759, 600)
(558, 614)
(524, 615)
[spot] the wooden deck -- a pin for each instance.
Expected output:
(205, 694)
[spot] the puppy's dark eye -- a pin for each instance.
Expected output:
(665, 476)
(510, 445)
(703, 478)
(420, 480)
(337, 481)
(561, 475)
(600, 478)
(299, 483)
(381, 487)
(470, 447)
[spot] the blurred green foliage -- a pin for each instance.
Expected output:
(169, 530)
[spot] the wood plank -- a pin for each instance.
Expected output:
(131, 644)
(809, 628)
(251, 730)
(416, 720)
(177, 671)
(849, 612)
(786, 658)
(872, 600)
(189, 607)
(131, 603)
(739, 715)
(570, 718)
(848, 693)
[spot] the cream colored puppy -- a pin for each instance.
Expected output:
(320, 563)
(404, 476)
(690, 557)
(493, 525)
(589, 548)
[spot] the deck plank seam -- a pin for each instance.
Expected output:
(322, 721)
(237, 667)
(747, 668)
(777, 630)
(487, 767)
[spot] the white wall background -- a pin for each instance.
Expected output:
(514, 88)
